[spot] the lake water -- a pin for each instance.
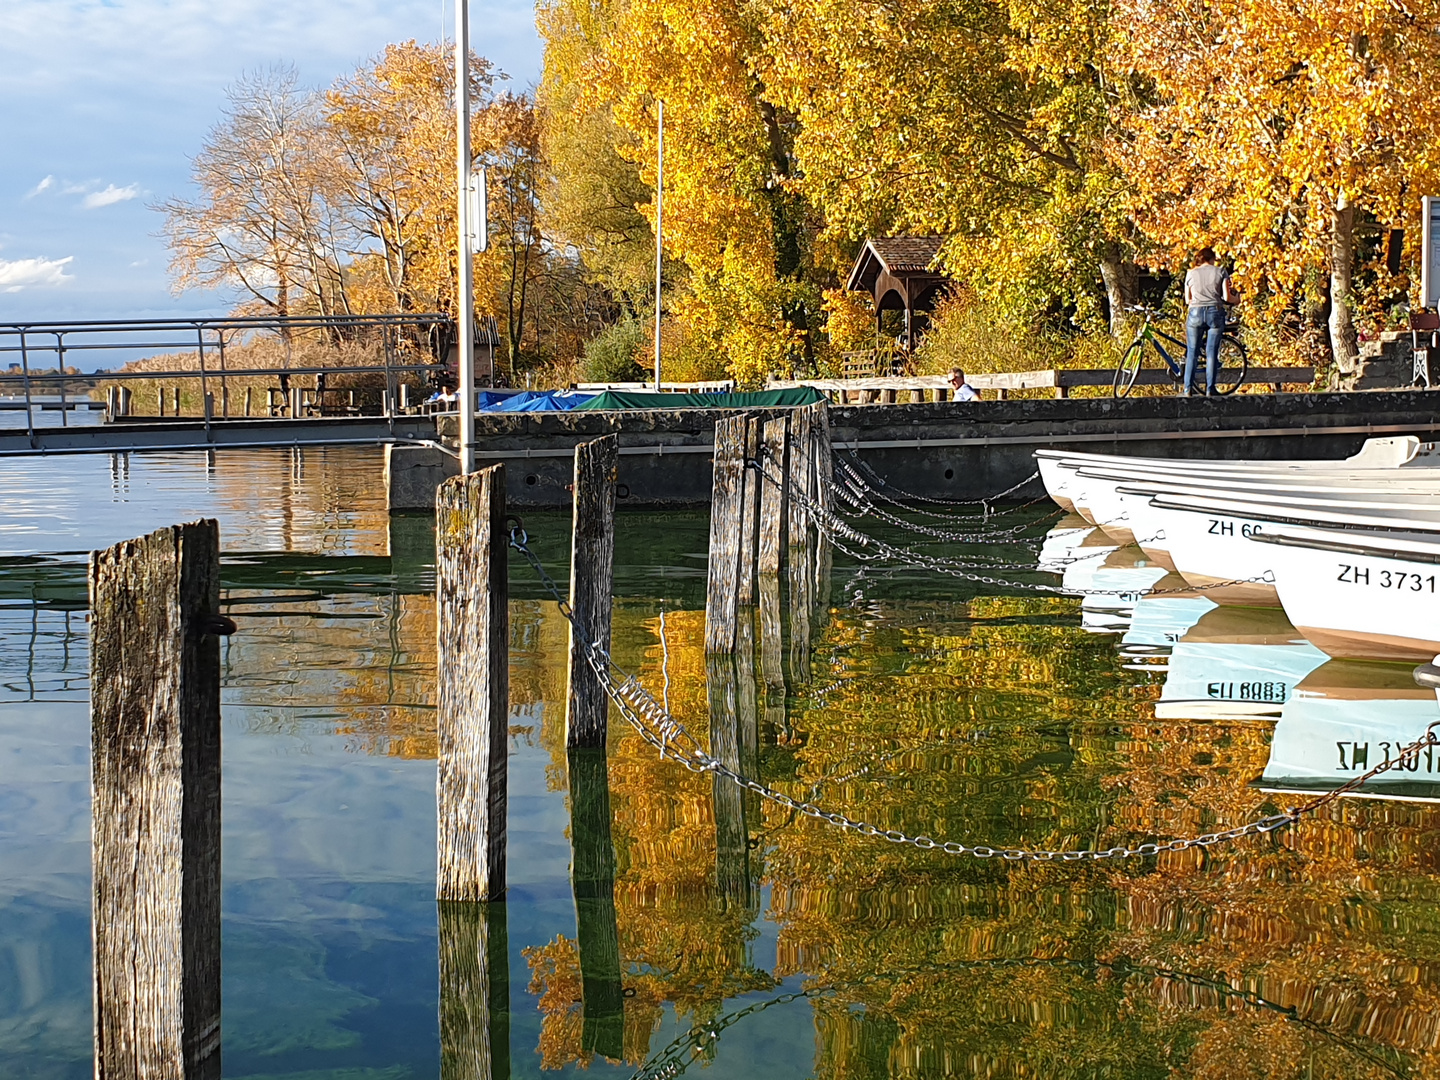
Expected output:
(752, 942)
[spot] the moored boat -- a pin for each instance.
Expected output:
(1359, 594)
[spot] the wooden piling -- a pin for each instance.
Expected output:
(732, 872)
(473, 684)
(774, 461)
(749, 517)
(592, 560)
(155, 804)
(824, 471)
(800, 476)
(726, 514)
(474, 991)
(592, 879)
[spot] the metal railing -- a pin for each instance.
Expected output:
(408, 343)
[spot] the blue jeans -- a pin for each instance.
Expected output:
(1206, 323)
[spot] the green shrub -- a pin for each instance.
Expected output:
(610, 354)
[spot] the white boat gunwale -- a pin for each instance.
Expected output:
(1319, 543)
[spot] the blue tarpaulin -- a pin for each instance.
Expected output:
(538, 401)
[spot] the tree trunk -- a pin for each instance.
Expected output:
(1343, 344)
(1122, 286)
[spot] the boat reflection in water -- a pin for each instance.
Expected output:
(1236, 663)
(1346, 717)
(1110, 580)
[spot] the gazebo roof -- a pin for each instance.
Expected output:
(894, 255)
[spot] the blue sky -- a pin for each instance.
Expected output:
(102, 103)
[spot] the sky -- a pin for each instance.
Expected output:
(104, 102)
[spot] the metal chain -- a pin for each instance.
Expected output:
(935, 500)
(861, 496)
(849, 493)
(672, 1060)
(836, 530)
(673, 740)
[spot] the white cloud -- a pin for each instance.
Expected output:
(43, 185)
(17, 274)
(110, 196)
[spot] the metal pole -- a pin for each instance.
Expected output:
(204, 389)
(25, 373)
(60, 367)
(659, 230)
(464, 253)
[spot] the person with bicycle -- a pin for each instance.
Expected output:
(1207, 292)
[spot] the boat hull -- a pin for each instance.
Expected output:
(1359, 606)
(1214, 554)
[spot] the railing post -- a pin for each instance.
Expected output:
(726, 514)
(206, 403)
(155, 750)
(592, 558)
(29, 403)
(472, 684)
(60, 368)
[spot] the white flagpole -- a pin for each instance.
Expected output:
(659, 233)
(464, 245)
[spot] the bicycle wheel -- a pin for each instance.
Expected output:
(1233, 366)
(1129, 367)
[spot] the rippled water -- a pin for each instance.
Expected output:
(922, 703)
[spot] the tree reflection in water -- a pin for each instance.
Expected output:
(998, 720)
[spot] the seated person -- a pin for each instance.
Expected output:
(963, 390)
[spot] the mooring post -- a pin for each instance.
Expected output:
(732, 871)
(801, 475)
(472, 684)
(726, 513)
(474, 992)
(592, 879)
(774, 460)
(592, 560)
(155, 804)
(749, 517)
(824, 469)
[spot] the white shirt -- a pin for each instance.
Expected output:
(966, 392)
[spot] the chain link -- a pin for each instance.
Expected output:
(837, 531)
(911, 496)
(673, 740)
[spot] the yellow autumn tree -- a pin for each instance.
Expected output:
(1273, 131)
(730, 213)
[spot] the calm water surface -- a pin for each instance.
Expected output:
(752, 942)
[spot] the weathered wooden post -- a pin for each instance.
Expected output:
(155, 804)
(824, 466)
(774, 460)
(592, 879)
(472, 684)
(732, 871)
(592, 560)
(726, 514)
(474, 992)
(749, 517)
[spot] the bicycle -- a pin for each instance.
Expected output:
(1228, 376)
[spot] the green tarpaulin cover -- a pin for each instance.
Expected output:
(765, 399)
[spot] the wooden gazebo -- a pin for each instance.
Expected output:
(898, 272)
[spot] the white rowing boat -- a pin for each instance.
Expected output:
(1359, 594)
(1342, 720)
(1207, 536)
(1058, 468)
